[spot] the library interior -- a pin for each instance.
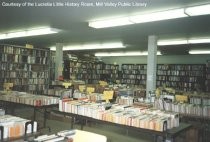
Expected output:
(105, 71)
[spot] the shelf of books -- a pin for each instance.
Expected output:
(207, 83)
(26, 68)
(134, 74)
(186, 77)
(90, 72)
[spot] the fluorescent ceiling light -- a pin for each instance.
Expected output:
(199, 52)
(112, 45)
(142, 18)
(199, 40)
(172, 42)
(29, 32)
(198, 10)
(135, 53)
(157, 16)
(110, 23)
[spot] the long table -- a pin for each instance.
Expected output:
(170, 134)
(12, 105)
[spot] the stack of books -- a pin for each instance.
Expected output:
(15, 126)
(125, 100)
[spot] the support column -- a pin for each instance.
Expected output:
(59, 60)
(151, 64)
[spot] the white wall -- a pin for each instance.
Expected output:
(164, 59)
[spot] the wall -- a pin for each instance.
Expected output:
(169, 59)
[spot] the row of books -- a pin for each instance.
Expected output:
(205, 101)
(15, 81)
(134, 71)
(133, 81)
(14, 58)
(24, 81)
(176, 84)
(93, 65)
(39, 74)
(91, 71)
(18, 67)
(180, 73)
(178, 78)
(134, 67)
(180, 67)
(13, 74)
(125, 100)
(14, 127)
(15, 67)
(38, 81)
(26, 98)
(183, 108)
(141, 117)
(131, 76)
(21, 50)
(62, 93)
(40, 87)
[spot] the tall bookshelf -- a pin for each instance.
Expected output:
(207, 83)
(90, 72)
(134, 74)
(186, 77)
(26, 68)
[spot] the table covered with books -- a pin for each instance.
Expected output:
(138, 118)
(12, 99)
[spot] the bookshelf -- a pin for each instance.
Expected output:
(26, 68)
(90, 72)
(186, 77)
(207, 83)
(134, 74)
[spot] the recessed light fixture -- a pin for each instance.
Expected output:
(199, 52)
(198, 10)
(111, 45)
(131, 53)
(29, 32)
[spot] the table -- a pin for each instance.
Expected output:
(13, 105)
(167, 134)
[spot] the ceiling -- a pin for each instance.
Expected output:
(73, 23)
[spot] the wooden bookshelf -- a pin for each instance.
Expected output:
(186, 77)
(207, 83)
(134, 74)
(26, 68)
(90, 72)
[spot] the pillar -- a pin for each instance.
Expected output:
(59, 60)
(151, 64)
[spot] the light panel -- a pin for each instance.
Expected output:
(172, 42)
(29, 32)
(112, 45)
(110, 23)
(199, 40)
(131, 53)
(198, 10)
(158, 16)
(199, 52)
